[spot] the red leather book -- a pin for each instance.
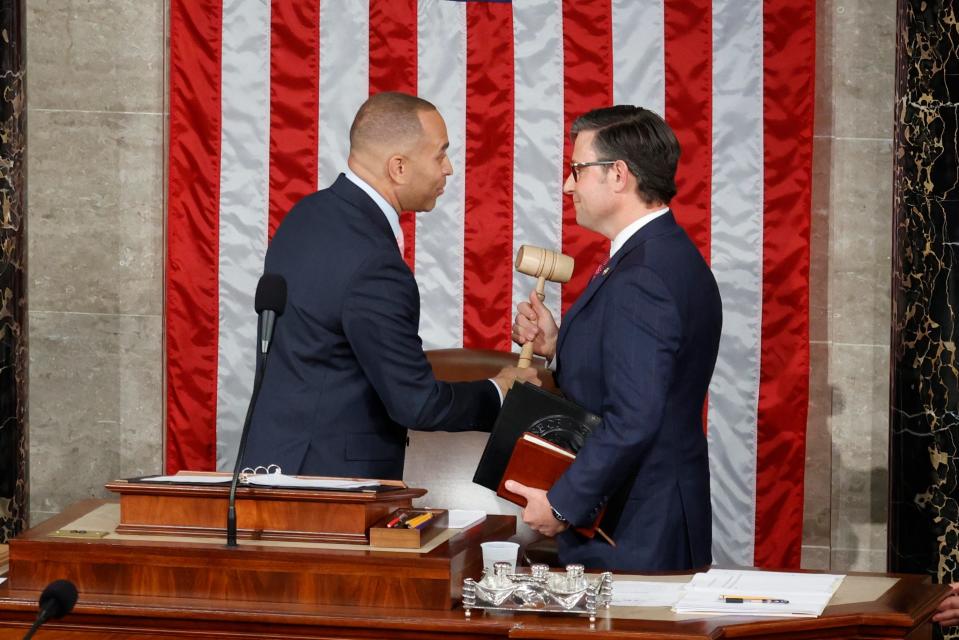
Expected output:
(539, 463)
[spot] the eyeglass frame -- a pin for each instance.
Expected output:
(574, 167)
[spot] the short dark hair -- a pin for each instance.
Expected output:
(642, 140)
(389, 116)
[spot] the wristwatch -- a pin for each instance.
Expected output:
(559, 516)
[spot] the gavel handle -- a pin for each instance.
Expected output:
(525, 356)
(541, 288)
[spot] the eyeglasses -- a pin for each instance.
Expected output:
(574, 167)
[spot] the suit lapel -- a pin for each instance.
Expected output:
(657, 227)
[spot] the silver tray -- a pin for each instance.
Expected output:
(540, 590)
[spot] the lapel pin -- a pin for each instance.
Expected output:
(605, 271)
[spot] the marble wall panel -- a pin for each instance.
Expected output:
(96, 212)
(96, 55)
(819, 235)
(817, 515)
(863, 67)
(861, 202)
(925, 469)
(96, 128)
(859, 379)
(95, 410)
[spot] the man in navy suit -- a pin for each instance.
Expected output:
(638, 349)
(346, 375)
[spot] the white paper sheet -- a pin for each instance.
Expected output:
(189, 478)
(281, 480)
(462, 518)
(635, 593)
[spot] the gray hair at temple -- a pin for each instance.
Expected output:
(388, 119)
(641, 139)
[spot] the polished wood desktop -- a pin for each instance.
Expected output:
(279, 591)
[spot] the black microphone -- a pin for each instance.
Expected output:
(269, 302)
(56, 601)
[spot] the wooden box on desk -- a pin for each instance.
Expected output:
(262, 513)
(402, 538)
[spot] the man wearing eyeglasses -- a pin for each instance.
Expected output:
(638, 349)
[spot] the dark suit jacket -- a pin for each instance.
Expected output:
(346, 374)
(638, 349)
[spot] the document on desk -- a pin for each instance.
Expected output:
(463, 518)
(758, 593)
(187, 478)
(268, 480)
(284, 481)
(636, 593)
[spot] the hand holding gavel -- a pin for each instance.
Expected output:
(544, 265)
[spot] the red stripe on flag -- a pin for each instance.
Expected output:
(192, 269)
(294, 96)
(393, 45)
(488, 224)
(587, 84)
(789, 51)
(689, 70)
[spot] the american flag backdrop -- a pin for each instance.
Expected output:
(262, 94)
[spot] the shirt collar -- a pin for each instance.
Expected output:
(631, 229)
(391, 216)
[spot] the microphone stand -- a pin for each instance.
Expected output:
(231, 510)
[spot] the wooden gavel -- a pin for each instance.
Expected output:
(544, 265)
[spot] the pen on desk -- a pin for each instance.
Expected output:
(731, 599)
(418, 521)
(398, 520)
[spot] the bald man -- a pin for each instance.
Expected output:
(347, 375)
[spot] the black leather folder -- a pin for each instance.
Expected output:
(527, 408)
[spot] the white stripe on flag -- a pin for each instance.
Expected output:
(538, 137)
(639, 67)
(737, 253)
(244, 189)
(344, 80)
(441, 79)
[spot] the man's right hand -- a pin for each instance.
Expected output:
(534, 323)
(504, 379)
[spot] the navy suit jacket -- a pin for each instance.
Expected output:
(638, 349)
(346, 374)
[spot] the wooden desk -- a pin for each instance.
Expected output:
(898, 613)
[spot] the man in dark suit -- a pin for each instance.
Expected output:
(638, 349)
(346, 375)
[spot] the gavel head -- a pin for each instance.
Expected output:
(539, 262)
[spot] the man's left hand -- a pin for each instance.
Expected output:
(538, 514)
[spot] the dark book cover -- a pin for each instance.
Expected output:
(527, 408)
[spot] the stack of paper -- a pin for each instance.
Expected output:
(758, 593)
(268, 480)
(284, 481)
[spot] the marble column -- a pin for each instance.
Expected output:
(924, 438)
(13, 297)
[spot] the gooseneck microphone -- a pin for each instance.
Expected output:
(270, 301)
(56, 601)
